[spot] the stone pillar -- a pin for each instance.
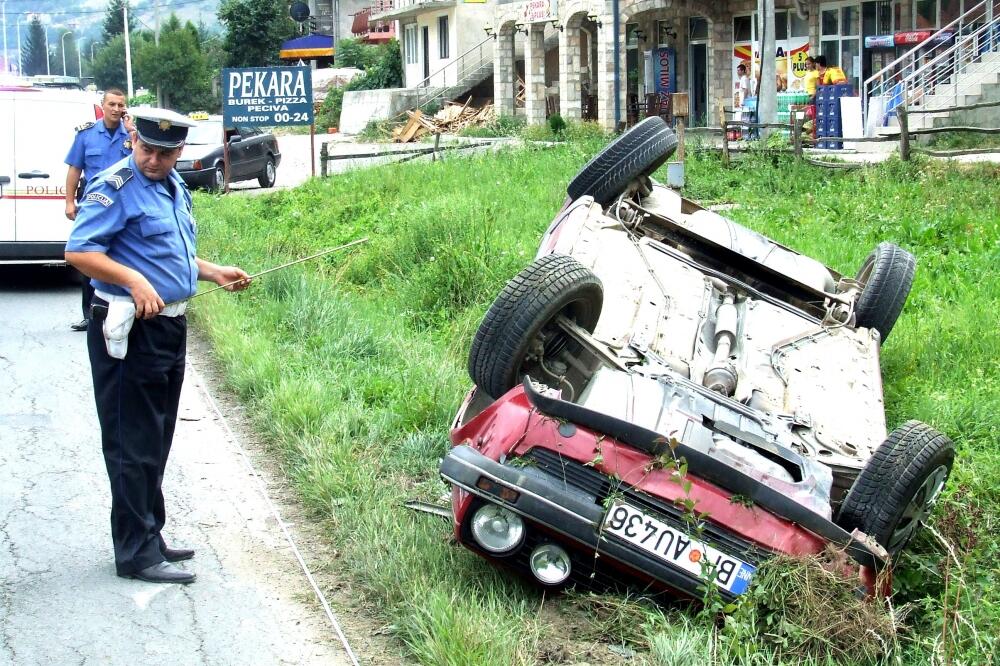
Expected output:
(534, 74)
(503, 73)
(571, 61)
(606, 73)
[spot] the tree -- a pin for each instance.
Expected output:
(255, 30)
(33, 52)
(114, 20)
(178, 67)
(109, 62)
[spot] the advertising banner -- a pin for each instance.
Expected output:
(267, 96)
(664, 72)
(790, 63)
(540, 10)
(879, 42)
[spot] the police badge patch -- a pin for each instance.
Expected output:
(102, 199)
(127, 145)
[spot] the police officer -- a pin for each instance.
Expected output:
(96, 147)
(135, 236)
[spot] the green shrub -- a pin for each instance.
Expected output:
(499, 126)
(557, 124)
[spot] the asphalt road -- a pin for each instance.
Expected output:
(60, 601)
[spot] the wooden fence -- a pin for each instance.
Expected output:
(405, 154)
(905, 134)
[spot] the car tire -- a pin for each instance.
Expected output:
(637, 152)
(887, 276)
(268, 175)
(897, 488)
(522, 313)
(219, 181)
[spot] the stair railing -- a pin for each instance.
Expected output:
(977, 30)
(465, 66)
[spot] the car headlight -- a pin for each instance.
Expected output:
(497, 529)
(550, 564)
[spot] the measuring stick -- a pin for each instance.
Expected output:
(276, 268)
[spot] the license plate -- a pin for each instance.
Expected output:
(675, 547)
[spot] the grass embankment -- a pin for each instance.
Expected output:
(352, 369)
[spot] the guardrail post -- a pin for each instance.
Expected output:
(323, 155)
(904, 133)
(796, 136)
(437, 142)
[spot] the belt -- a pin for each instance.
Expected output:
(172, 310)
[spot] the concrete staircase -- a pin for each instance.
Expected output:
(979, 82)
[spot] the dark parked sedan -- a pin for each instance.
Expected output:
(252, 154)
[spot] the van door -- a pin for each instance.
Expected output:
(45, 131)
(7, 173)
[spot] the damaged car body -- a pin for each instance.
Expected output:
(664, 397)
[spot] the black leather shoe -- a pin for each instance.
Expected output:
(177, 554)
(80, 325)
(162, 572)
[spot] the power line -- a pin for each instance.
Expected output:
(79, 12)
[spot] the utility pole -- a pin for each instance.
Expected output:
(48, 71)
(767, 90)
(128, 52)
(156, 40)
(20, 54)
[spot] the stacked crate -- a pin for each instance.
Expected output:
(828, 118)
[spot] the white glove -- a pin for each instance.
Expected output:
(118, 323)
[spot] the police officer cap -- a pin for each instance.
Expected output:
(162, 128)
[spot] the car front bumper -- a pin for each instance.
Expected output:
(573, 519)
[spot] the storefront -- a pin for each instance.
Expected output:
(791, 38)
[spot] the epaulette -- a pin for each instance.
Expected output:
(84, 126)
(118, 179)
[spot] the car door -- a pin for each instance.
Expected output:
(45, 131)
(255, 150)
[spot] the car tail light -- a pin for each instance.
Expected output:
(98, 112)
(196, 165)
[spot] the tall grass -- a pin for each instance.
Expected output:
(352, 368)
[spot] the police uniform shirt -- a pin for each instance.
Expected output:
(95, 147)
(143, 224)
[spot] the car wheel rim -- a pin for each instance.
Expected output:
(918, 508)
(865, 274)
(220, 178)
(270, 172)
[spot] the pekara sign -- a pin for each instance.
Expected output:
(540, 10)
(267, 96)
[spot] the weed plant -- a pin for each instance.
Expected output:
(352, 368)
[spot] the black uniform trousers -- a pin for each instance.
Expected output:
(137, 400)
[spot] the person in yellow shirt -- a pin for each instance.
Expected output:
(811, 77)
(829, 75)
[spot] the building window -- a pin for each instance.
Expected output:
(410, 43)
(742, 31)
(697, 28)
(840, 38)
(443, 37)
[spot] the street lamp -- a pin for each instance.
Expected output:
(62, 47)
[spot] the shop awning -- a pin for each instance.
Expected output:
(308, 46)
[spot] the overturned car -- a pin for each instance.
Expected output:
(666, 398)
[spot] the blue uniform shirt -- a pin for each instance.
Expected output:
(142, 224)
(96, 148)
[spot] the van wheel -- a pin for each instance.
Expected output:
(638, 152)
(518, 333)
(887, 275)
(898, 487)
(268, 175)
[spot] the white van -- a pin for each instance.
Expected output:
(37, 128)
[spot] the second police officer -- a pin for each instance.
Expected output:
(97, 146)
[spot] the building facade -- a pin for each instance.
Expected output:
(691, 46)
